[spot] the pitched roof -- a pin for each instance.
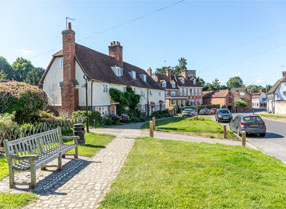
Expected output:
(275, 86)
(98, 67)
(175, 78)
(216, 94)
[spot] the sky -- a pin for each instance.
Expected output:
(220, 39)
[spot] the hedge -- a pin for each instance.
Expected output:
(202, 107)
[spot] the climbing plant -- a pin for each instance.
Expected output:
(127, 100)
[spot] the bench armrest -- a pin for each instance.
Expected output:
(75, 138)
(33, 157)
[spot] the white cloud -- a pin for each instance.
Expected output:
(26, 51)
(259, 80)
(236, 74)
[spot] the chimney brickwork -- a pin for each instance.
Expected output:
(116, 51)
(168, 73)
(69, 93)
(149, 72)
(184, 74)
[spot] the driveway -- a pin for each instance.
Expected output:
(274, 143)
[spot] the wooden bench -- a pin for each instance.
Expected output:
(36, 151)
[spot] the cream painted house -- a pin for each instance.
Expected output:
(65, 78)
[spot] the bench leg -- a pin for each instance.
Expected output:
(11, 178)
(33, 177)
(64, 155)
(60, 163)
(43, 168)
(76, 152)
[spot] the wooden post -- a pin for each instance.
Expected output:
(154, 123)
(243, 138)
(224, 131)
(151, 129)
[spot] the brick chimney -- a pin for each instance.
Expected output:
(168, 73)
(69, 93)
(284, 74)
(149, 72)
(115, 50)
(184, 73)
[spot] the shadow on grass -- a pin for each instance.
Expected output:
(94, 146)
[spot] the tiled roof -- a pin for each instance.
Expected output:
(216, 94)
(98, 67)
(275, 86)
(175, 78)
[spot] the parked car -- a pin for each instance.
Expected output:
(223, 115)
(213, 110)
(205, 112)
(188, 113)
(251, 124)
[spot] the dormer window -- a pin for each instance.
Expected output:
(132, 74)
(174, 85)
(164, 84)
(61, 62)
(183, 80)
(194, 81)
(118, 71)
(143, 77)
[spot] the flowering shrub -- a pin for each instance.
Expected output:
(6, 122)
(92, 115)
(23, 99)
(124, 118)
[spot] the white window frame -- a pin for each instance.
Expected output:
(189, 92)
(185, 92)
(173, 94)
(61, 62)
(174, 85)
(183, 80)
(181, 92)
(164, 84)
(105, 88)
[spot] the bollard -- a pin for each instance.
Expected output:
(94, 124)
(154, 123)
(151, 129)
(224, 131)
(243, 138)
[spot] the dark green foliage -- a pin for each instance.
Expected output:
(106, 121)
(161, 114)
(127, 100)
(234, 82)
(240, 103)
(22, 99)
(255, 88)
(201, 107)
(162, 70)
(92, 115)
(268, 87)
(176, 70)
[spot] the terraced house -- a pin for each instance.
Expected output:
(64, 79)
(181, 90)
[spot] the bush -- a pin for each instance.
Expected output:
(115, 119)
(23, 99)
(201, 107)
(124, 118)
(6, 122)
(106, 121)
(92, 115)
(161, 114)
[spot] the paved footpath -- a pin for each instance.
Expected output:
(90, 185)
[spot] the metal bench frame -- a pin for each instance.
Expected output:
(36, 151)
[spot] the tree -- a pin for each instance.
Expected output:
(240, 103)
(33, 76)
(216, 84)
(200, 81)
(21, 67)
(162, 70)
(180, 67)
(234, 82)
(268, 87)
(6, 71)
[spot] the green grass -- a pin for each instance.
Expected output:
(3, 168)
(93, 143)
(204, 126)
(16, 200)
(272, 116)
(174, 174)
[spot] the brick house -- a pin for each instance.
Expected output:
(182, 90)
(242, 94)
(276, 96)
(224, 98)
(64, 79)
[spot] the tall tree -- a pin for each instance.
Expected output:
(21, 67)
(6, 71)
(234, 82)
(201, 81)
(180, 67)
(268, 87)
(33, 76)
(162, 70)
(216, 84)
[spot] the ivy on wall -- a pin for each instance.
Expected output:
(127, 100)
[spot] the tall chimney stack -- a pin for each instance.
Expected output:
(69, 93)
(115, 50)
(149, 71)
(168, 73)
(184, 73)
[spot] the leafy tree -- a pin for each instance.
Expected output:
(162, 70)
(21, 67)
(201, 81)
(223, 87)
(33, 76)
(234, 82)
(268, 87)
(240, 103)
(180, 67)
(6, 72)
(216, 84)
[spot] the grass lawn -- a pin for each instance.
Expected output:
(16, 200)
(204, 126)
(3, 168)
(93, 143)
(174, 174)
(272, 116)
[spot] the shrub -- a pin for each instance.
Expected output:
(6, 122)
(115, 119)
(202, 107)
(240, 103)
(106, 121)
(92, 115)
(124, 118)
(23, 99)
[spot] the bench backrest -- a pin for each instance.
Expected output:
(35, 144)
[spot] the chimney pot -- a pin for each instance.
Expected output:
(115, 50)
(69, 26)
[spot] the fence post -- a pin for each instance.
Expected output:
(154, 123)
(224, 131)
(151, 129)
(243, 138)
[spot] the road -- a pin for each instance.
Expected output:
(274, 143)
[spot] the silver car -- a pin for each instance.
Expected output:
(223, 115)
(188, 112)
(251, 124)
